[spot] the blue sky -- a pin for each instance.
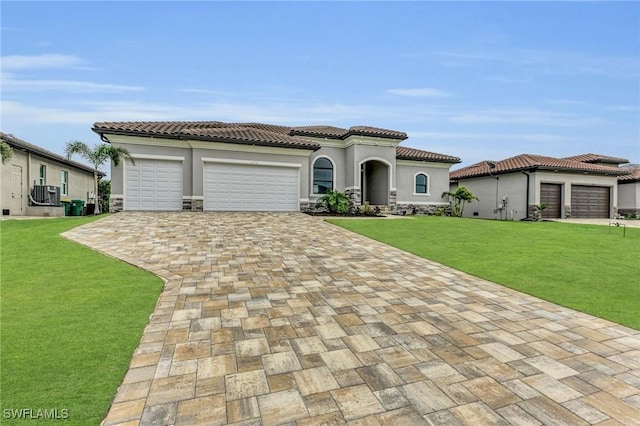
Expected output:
(481, 81)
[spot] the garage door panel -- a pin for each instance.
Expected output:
(240, 187)
(551, 193)
(154, 185)
(590, 202)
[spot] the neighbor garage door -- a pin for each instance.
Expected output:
(153, 185)
(250, 187)
(551, 193)
(590, 202)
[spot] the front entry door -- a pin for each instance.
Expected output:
(16, 190)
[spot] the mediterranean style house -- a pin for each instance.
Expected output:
(35, 180)
(582, 186)
(215, 166)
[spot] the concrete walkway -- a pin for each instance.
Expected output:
(285, 319)
(606, 222)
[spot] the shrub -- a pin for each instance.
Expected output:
(335, 202)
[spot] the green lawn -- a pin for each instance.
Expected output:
(579, 266)
(71, 319)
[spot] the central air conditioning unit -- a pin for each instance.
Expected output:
(45, 195)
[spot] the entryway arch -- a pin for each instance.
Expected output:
(375, 181)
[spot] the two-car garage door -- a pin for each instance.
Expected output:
(154, 184)
(250, 187)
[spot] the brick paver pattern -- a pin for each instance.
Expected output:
(272, 319)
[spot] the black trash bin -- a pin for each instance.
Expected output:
(91, 208)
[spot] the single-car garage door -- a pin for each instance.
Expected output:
(250, 187)
(153, 185)
(590, 202)
(551, 193)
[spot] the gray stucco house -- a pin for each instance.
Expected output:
(216, 166)
(629, 191)
(583, 186)
(32, 168)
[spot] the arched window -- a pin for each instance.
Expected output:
(322, 176)
(422, 183)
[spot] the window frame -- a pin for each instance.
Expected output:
(313, 179)
(42, 174)
(426, 185)
(64, 182)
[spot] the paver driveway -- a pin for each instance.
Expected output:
(283, 318)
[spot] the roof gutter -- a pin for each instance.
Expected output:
(524, 172)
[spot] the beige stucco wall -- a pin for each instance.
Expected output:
(438, 182)
(338, 158)
(569, 179)
(192, 153)
(492, 191)
(80, 182)
(629, 196)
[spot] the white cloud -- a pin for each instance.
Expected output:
(27, 62)
(454, 136)
(425, 92)
(285, 113)
(525, 116)
(545, 62)
(9, 84)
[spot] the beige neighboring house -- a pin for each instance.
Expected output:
(35, 180)
(216, 166)
(629, 191)
(584, 186)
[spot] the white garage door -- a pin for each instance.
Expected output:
(249, 187)
(153, 185)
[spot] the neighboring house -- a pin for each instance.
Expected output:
(215, 166)
(34, 172)
(629, 191)
(514, 188)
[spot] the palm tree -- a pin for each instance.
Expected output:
(461, 196)
(6, 152)
(97, 156)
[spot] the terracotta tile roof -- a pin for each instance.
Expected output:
(597, 158)
(404, 153)
(153, 127)
(375, 131)
(339, 133)
(320, 131)
(531, 162)
(632, 175)
(248, 135)
(254, 133)
(242, 133)
(19, 144)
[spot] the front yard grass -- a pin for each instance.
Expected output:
(579, 266)
(71, 319)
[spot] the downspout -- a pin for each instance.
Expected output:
(492, 166)
(527, 196)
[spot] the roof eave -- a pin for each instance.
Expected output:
(176, 136)
(429, 160)
(58, 159)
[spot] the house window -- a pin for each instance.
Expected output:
(64, 182)
(43, 174)
(322, 176)
(422, 183)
